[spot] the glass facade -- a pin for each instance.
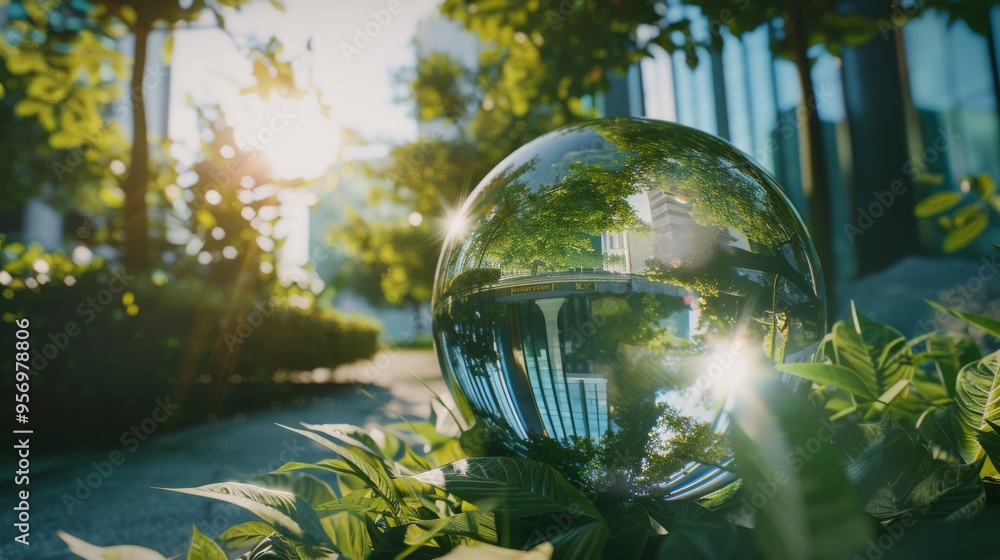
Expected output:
(749, 97)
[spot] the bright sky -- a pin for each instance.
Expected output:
(358, 87)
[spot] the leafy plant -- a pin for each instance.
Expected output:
(962, 219)
(894, 433)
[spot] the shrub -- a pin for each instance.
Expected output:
(115, 343)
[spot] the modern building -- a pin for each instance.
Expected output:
(917, 105)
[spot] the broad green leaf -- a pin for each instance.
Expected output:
(204, 548)
(879, 453)
(363, 500)
(877, 353)
(977, 400)
(582, 541)
(952, 351)
(349, 434)
(490, 552)
(368, 468)
(990, 440)
(937, 427)
(521, 487)
(971, 538)
(284, 511)
(630, 527)
(89, 551)
(701, 539)
(803, 505)
(965, 234)
(951, 492)
(984, 185)
(351, 534)
(306, 486)
(937, 203)
(347, 480)
(986, 324)
(833, 375)
(476, 525)
(246, 534)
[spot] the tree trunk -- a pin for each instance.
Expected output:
(811, 155)
(136, 182)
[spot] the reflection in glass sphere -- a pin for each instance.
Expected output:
(603, 288)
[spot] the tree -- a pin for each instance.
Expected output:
(51, 144)
(432, 175)
(85, 50)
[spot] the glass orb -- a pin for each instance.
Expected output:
(604, 288)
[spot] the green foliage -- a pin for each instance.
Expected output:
(184, 339)
(811, 510)
(823, 477)
(65, 68)
(962, 224)
(60, 72)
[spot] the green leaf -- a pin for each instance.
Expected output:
(362, 500)
(876, 353)
(990, 440)
(969, 539)
(951, 492)
(951, 351)
(306, 486)
(986, 324)
(984, 185)
(351, 533)
(368, 468)
(937, 203)
(476, 525)
(204, 548)
(831, 374)
(709, 540)
(629, 528)
(804, 505)
(977, 401)
(521, 487)
(246, 534)
(88, 551)
(287, 513)
(490, 552)
(966, 233)
(581, 541)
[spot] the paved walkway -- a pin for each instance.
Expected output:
(123, 509)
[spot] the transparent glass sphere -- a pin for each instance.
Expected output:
(602, 290)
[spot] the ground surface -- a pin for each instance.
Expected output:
(124, 510)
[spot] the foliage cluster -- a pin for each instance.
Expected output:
(144, 336)
(896, 445)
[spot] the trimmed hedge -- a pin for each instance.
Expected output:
(105, 349)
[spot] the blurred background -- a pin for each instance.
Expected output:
(220, 202)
